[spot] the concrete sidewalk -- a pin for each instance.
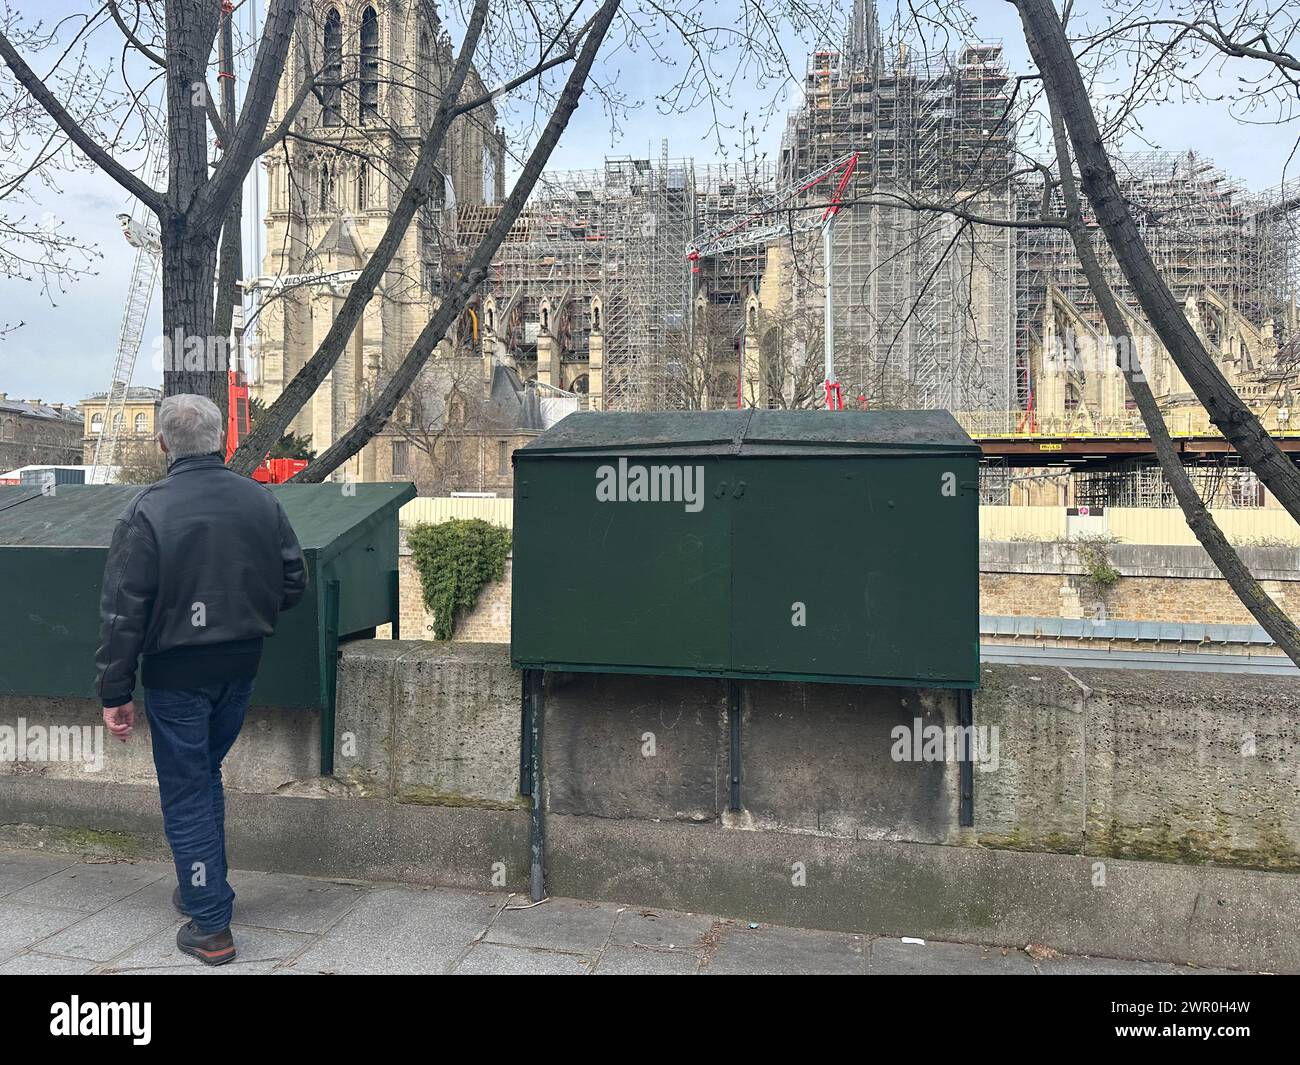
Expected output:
(59, 914)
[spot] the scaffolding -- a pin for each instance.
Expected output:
(1273, 226)
(615, 233)
(928, 309)
(921, 301)
(1202, 231)
(1225, 484)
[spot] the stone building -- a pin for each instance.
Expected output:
(1203, 233)
(33, 432)
(458, 428)
(138, 419)
(331, 193)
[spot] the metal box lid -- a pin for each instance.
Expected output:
(84, 515)
(769, 433)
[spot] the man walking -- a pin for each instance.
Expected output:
(200, 566)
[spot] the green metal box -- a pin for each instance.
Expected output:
(52, 552)
(795, 545)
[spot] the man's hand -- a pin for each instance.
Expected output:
(120, 720)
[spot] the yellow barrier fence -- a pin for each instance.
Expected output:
(1130, 525)
(435, 509)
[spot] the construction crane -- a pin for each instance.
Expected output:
(757, 227)
(144, 277)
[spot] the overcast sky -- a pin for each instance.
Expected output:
(65, 349)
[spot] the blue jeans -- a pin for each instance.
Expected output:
(193, 729)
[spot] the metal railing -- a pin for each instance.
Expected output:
(1027, 426)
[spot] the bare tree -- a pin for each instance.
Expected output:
(514, 45)
(1068, 96)
(437, 416)
(700, 362)
(788, 374)
(1262, 608)
(35, 155)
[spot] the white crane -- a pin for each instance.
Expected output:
(144, 278)
(746, 231)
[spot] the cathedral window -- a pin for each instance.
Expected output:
(363, 186)
(325, 193)
(369, 66)
(424, 79)
(489, 176)
(332, 74)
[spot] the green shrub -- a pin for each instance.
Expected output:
(1099, 573)
(455, 559)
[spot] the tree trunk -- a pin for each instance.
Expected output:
(1064, 83)
(189, 257)
(194, 360)
(230, 260)
(1253, 597)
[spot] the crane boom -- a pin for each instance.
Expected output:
(139, 298)
(743, 232)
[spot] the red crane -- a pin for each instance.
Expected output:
(743, 232)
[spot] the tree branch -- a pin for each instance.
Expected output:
(1253, 597)
(305, 382)
(97, 154)
(133, 37)
(208, 209)
(1068, 94)
(306, 89)
(379, 412)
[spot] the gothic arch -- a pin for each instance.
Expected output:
(368, 75)
(332, 69)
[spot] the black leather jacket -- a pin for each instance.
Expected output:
(202, 559)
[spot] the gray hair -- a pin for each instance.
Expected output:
(189, 425)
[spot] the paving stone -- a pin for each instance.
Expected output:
(155, 896)
(494, 959)
(1071, 966)
(31, 964)
(62, 916)
(894, 957)
(637, 961)
(110, 932)
(293, 903)
(253, 945)
(397, 930)
(561, 924)
(19, 870)
(22, 924)
(197, 968)
(88, 887)
(771, 951)
(638, 927)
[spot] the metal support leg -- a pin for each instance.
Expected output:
(329, 676)
(733, 720)
(537, 825)
(966, 768)
(395, 605)
(525, 734)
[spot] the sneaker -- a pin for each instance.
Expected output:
(176, 901)
(211, 948)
